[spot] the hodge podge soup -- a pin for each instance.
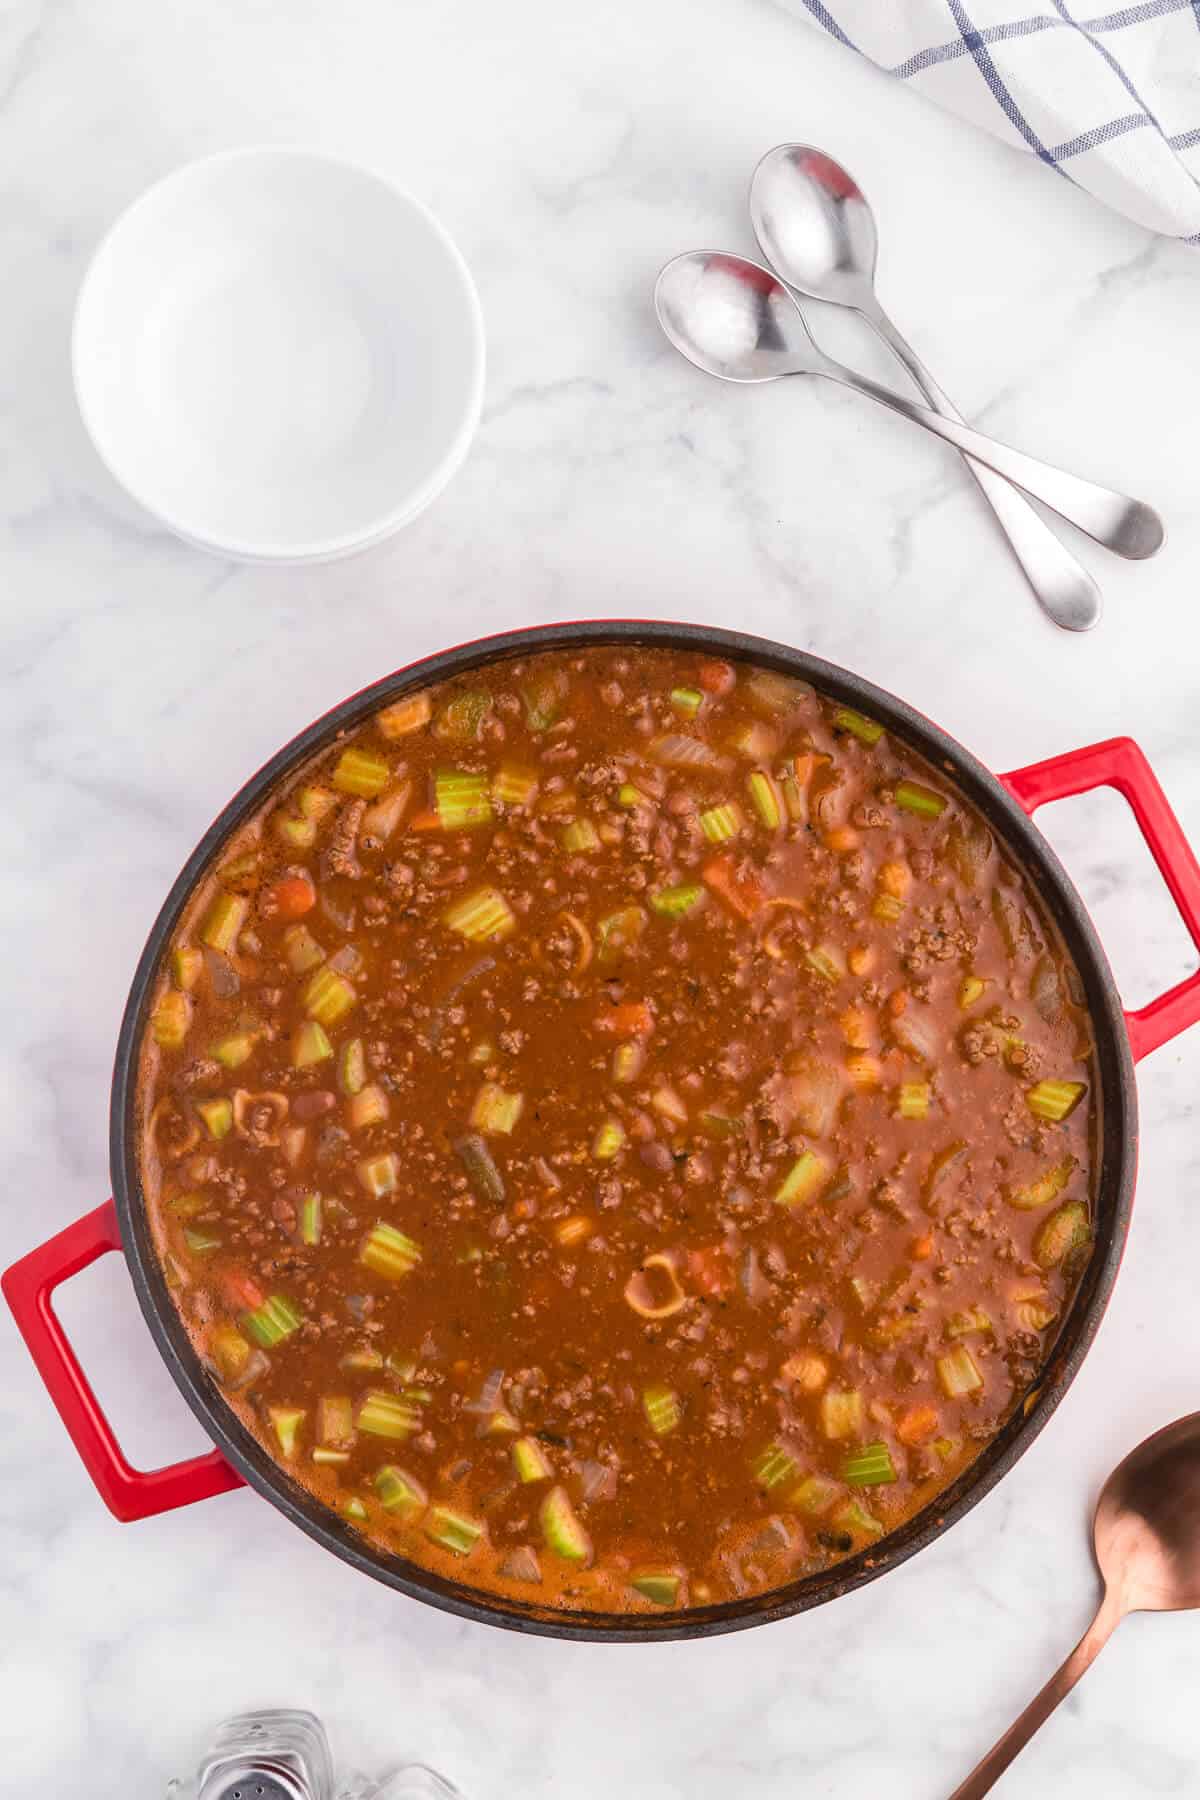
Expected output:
(617, 1129)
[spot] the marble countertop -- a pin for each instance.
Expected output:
(570, 150)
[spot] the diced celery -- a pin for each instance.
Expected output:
(687, 701)
(361, 1361)
(495, 1111)
(764, 798)
(923, 801)
(720, 823)
(353, 1508)
(378, 1174)
(286, 1421)
(815, 1494)
(678, 902)
(271, 1322)
(389, 1252)
(399, 1493)
(481, 916)
(1055, 1100)
(531, 1461)
(855, 1519)
(580, 837)
(301, 949)
(310, 1219)
(328, 996)
(867, 730)
(217, 1116)
(660, 1587)
(171, 1019)
(309, 1045)
(352, 1068)
(872, 1466)
(225, 919)
(359, 773)
(969, 1322)
(368, 1107)
(199, 1241)
(405, 716)
(514, 785)
(912, 1100)
(234, 1050)
(662, 1410)
(773, 1466)
(462, 799)
(453, 1531)
(610, 1138)
(629, 796)
(298, 834)
(958, 1373)
(335, 1420)
(334, 1458)
(561, 1528)
(462, 719)
(1063, 1233)
(970, 990)
(315, 802)
(382, 1414)
(887, 908)
(805, 1180)
(187, 965)
(628, 1061)
(573, 1230)
(722, 1125)
(841, 1412)
(543, 695)
(827, 961)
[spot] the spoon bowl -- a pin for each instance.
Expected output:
(733, 318)
(815, 226)
(1147, 1540)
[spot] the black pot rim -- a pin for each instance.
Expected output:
(1114, 1187)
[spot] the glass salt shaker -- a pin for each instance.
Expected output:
(284, 1755)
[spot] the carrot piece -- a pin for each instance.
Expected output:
(291, 897)
(917, 1424)
(632, 1018)
(897, 1002)
(710, 1270)
(716, 677)
(241, 1292)
(743, 894)
(428, 820)
(922, 1248)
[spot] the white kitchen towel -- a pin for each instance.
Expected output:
(1109, 99)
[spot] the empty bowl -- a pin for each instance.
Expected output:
(279, 354)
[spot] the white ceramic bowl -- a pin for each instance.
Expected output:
(279, 354)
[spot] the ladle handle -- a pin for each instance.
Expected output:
(1129, 527)
(1061, 585)
(984, 1776)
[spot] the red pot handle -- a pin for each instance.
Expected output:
(1119, 763)
(128, 1492)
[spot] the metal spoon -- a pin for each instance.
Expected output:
(1147, 1538)
(735, 319)
(817, 231)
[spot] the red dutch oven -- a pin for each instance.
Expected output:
(1122, 1039)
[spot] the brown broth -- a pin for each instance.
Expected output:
(807, 993)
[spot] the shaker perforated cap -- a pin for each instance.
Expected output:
(254, 1781)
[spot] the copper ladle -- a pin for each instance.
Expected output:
(1147, 1539)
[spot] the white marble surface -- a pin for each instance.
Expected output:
(570, 149)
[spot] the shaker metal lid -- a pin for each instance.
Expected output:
(267, 1780)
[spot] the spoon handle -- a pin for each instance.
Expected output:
(986, 1773)
(1061, 585)
(1129, 527)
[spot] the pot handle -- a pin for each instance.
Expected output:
(128, 1493)
(1119, 763)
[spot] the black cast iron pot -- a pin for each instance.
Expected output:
(1007, 801)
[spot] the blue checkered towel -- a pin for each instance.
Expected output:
(1110, 99)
